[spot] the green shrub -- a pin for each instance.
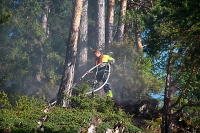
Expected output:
(26, 103)
(4, 101)
(25, 115)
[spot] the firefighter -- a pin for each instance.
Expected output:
(102, 70)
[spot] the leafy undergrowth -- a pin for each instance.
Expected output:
(23, 117)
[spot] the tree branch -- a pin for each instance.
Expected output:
(182, 107)
(139, 4)
(186, 86)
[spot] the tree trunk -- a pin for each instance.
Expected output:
(109, 24)
(65, 89)
(137, 36)
(120, 31)
(172, 91)
(44, 26)
(45, 16)
(83, 39)
(167, 104)
(100, 23)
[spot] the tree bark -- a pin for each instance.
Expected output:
(45, 16)
(120, 31)
(167, 104)
(83, 39)
(100, 24)
(137, 36)
(44, 26)
(65, 89)
(109, 24)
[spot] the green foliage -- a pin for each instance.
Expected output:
(166, 30)
(24, 117)
(151, 126)
(154, 80)
(4, 101)
(31, 57)
(4, 18)
(5, 14)
(28, 103)
(173, 34)
(166, 25)
(132, 75)
(104, 107)
(69, 120)
(98, 103)
(17, 120)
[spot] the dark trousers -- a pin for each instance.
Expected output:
(102, 75)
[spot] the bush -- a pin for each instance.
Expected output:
(28, 111)
(4, 101)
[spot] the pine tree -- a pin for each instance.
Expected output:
(83, 40)
(120, 31)
(109, 24)
(100, 24)
(65, 89)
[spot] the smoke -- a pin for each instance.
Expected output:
(51, 94)
(128, 84)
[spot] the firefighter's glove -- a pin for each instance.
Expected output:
(89, 72)
(111, 62)
(108, 64)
